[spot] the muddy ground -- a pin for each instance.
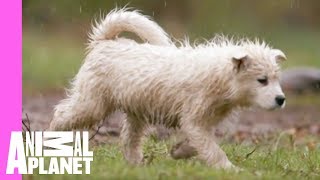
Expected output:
(299, 117)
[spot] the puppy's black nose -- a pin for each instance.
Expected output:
(280, 100)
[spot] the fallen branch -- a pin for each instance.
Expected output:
(250, 153)
(95, 132)
(28, 127)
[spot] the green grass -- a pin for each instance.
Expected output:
(49, 62)
(304, 99)
(265, 162)
(301, 47)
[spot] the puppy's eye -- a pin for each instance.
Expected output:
(263, 81)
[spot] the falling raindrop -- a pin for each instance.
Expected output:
(41, 27)
(80, 9)
(291, 3)
(295, 4)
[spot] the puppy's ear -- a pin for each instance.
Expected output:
(240, 60)
(278, 55)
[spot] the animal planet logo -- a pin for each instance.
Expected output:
(50, 145)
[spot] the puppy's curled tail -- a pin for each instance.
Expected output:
(119, 20)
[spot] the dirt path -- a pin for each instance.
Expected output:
(300, 117)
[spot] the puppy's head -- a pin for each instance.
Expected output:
(257, 76)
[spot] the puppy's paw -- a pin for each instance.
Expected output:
(182, 150)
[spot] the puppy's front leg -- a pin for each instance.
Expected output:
(208, 151)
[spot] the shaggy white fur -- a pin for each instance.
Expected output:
(119, 20)
(191, 87)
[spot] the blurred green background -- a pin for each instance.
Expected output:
(55, 32)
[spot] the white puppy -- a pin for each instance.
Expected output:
(191, 87)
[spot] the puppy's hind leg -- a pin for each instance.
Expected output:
(78, 112)
(131, 139)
